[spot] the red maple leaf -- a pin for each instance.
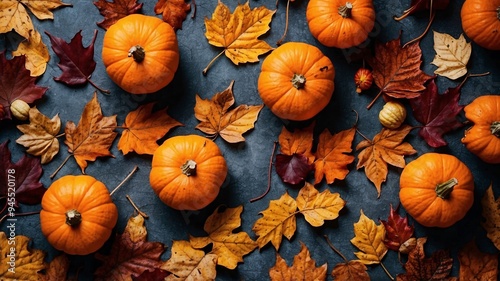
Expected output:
(397, 229)
(115, 10)
(16, 83)
(155, 275)
(437, 113)
(293, 169)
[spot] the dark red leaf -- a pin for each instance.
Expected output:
(437, 113)
(397, 230)
(115, 10)
(16, 83)
(293, 169)
(155, 275)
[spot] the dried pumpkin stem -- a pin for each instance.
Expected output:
(73, 218)
(345, 10)
(137, 53)
(298, 81)
(495, 128)
(189, 168)
(443, 190)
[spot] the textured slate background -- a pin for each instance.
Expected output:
(248, 162)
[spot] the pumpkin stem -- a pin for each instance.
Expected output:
(495, 128)
(298, 81)
(498, 13)
(189, 168)
(73, 217)
(137, 52)
(443, 190)
(345, 10)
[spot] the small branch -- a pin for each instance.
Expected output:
(472, 75)
(386, 271)
(136, 208)
(423, 34)
(193, 3)
(361, 134)
(19, 215)
(335, 249)
(212, 61)
(269, 172)
(60, 135)
(60, 166)
(286, 23)
(374, 99)
(124, 180)
(405, 13)
(106, 92)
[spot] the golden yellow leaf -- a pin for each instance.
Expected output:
(136, 229)
(39, 136)
(229, 247)
(452, 55)
(237, 33)
(318, 207)
(57, 270)
(17, 261)
(36, 52)
(303, 268)
(369, 238)
(491, 213)
(188, 263)
(300, 141)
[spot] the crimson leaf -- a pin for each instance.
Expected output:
(115, 10)
(293, 169)
(397, 229)
(156, 275)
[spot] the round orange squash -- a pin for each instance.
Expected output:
(140, 53)
(481, 22)
(77, 214)
(296, 81)
(436, 189)
(340, 23)
(187, 172)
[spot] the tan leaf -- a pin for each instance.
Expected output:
(17, 261)
(229, 247)
(36, 52)
(491, 213)
(39, 136)
(300, 141)
(369, 238)
(188, 263)
(476, 265)
(318, 207)
(352, 270)
(303, 268)
(57, 269)
(452, 55)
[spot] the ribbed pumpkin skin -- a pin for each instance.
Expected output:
(479, 139)
(417, 189)
(279, 94)
(160, 62)
(175, 188)
(333, 30)
(481, 22)
(88, 196)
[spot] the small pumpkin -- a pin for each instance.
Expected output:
(20, 109)
(340, 23)
(296, 81)
(77, 214)
(392, 115)
(140, 53)
(187, 172)
(483, 138)
(436, 189)
(481, 22)
(363, 78)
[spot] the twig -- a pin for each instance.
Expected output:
(374, 99)
(135, 207)
(60, 135)
(335, 249)
(193, 3)
(124, 180)
(433, 14)
(386, 271)
(60, 166)
(286, 23)
(363, 135)
(106, 92)
(19, 214)
(269, 172)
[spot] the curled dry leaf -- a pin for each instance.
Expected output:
(491, 214)
(173, 12)
(23, 262)
(115, 10)
(188, 263)
(303, 267)
(369, 238)
(36, 52)
(452, 55)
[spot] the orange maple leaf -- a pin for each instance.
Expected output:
(300, 141)
(476, 265)
(57, 269)
(173, 12)
(350, 270)
(303, 268)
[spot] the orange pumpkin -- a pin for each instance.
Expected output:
(483, 138)
(187, 172)
(77, 214)
(296, 81)
(481, 22)
(140, 53)
(436, 189)
(340, 23)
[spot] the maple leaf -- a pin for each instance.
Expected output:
(421, 5)
(57, 269)
(143, 128)
(318, 207)
(452, 55)
(39, 136)
(369, 238)
(352, 270)
(418, 267)
(238, 32)
(229, 247)
(155, 275)
(93, 135)
(16, 83)
(303, 267)
(36, 53)
(188, 263)
(27, 262)
(491, 214)
(216, 117)
(173, 12)
(115, 10)
(476, 265)
(331, 155)
(398, 231)
(387, 147)
(293, 169)
(438, 113)
(131, 254)
(14, 16)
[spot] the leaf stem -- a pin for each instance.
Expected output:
(135, 207)
(361, 134)
(60, 135)
(19, 214)
(425, 31)
(269, 173)
(374, 99)
(335, 249)
(124, 180)
(212, 61)
(386, 271)
(60, 166)
(286, 24)
(106, 92)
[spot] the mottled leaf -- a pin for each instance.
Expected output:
(452, 55)
(491, 215)
(369, 238)
(36, 52)
(352, 270)
(57, 269)
(476, 265)
(188, 263)
(318, 207)
(173, 12)
(303, 268)
(26, 262)
(115, 10)
(298, 141)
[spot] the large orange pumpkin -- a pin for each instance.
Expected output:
(187, 172)
(77, 214)
(340, 23)
(140, 53)
(436, 189)
(296, 81)
(481, 22)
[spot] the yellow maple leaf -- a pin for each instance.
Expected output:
(188, 263)
(452, 55)
(237, 33)
(36, 52)
(491, 213)
(17, 261)
(369, 238)
(303, 268)
(318, 207)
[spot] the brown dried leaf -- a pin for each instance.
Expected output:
(17, 261)
(300, 141)
(57, 270)
(188, 263)
(369, 238)
(476, 265)
(303, 268)
(491, 213)
(352, 270)
(36, 52)
(173, 12)
(115, 10)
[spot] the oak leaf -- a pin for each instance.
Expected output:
(491, 215)
(230, 247)
(93, 135)
(188, 263)
(25, 261)
(476, 265)
(143, 128)
(398, 231)
(217, 118)
(352, 270)
(174, 12)
(16, 83)
(238, 32)
(318, 207)
(369, 238)
(387, 147)
(131, 254)
(303, 267)
(115, 10)
(36, 52)
(39, 136)
(57, 269)
(452, 55)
